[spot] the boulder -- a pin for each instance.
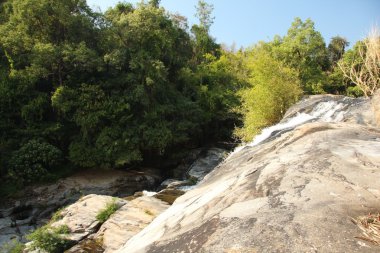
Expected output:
(122, 225)
(206, 163)
(298, 192)
(80, 217)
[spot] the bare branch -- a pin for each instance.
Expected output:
(366, 74)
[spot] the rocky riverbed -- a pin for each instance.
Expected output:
(78, 198)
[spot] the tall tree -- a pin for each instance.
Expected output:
(273, 88)
(304, 49)
(336, 49)
(204, 14)
(203, 41)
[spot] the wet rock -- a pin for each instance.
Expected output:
(87, 246)
(173, 183)
(179, 172)
(169, 195)
(41, 202)
(206, 163)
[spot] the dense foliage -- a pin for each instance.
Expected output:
(135, 85)
(273, 89)
(106, 90)
(33, 161)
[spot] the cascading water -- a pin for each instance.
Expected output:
(327, 111)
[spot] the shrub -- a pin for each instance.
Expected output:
(57, 215)
(104, 214)
(50, 239)
(33, 161)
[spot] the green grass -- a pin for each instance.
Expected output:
(57, 215)
(105, 213)
(50, 239)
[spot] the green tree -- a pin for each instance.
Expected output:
(273, 89)
(220, 80)
(34, 161)
(141, 106)
(304, 49)
(336, 49)
(203, 42)
(204, 14)
(44, 45)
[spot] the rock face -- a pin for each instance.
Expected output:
(92, 236)
(295, 191)
(80, 217)
(128, 221)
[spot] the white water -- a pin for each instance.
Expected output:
(331, 111)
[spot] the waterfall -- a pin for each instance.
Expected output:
(328, 111)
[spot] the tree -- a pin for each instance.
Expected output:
(141, 106)
(273, 89)
(44, 45)
(336, 49)
(203, 42)
(220, 80)
(155, 3)
(304, 49)
(204, 11)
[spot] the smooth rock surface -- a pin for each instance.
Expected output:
(80, 217)
(128, 221)
(293, 193)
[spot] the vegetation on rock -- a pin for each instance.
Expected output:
(105, 213)
(50, 239)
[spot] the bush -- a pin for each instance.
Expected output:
(57, 215)
(104, 214)
(50, 239)
(34, 161)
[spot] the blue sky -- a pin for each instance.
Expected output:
(244, 22)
